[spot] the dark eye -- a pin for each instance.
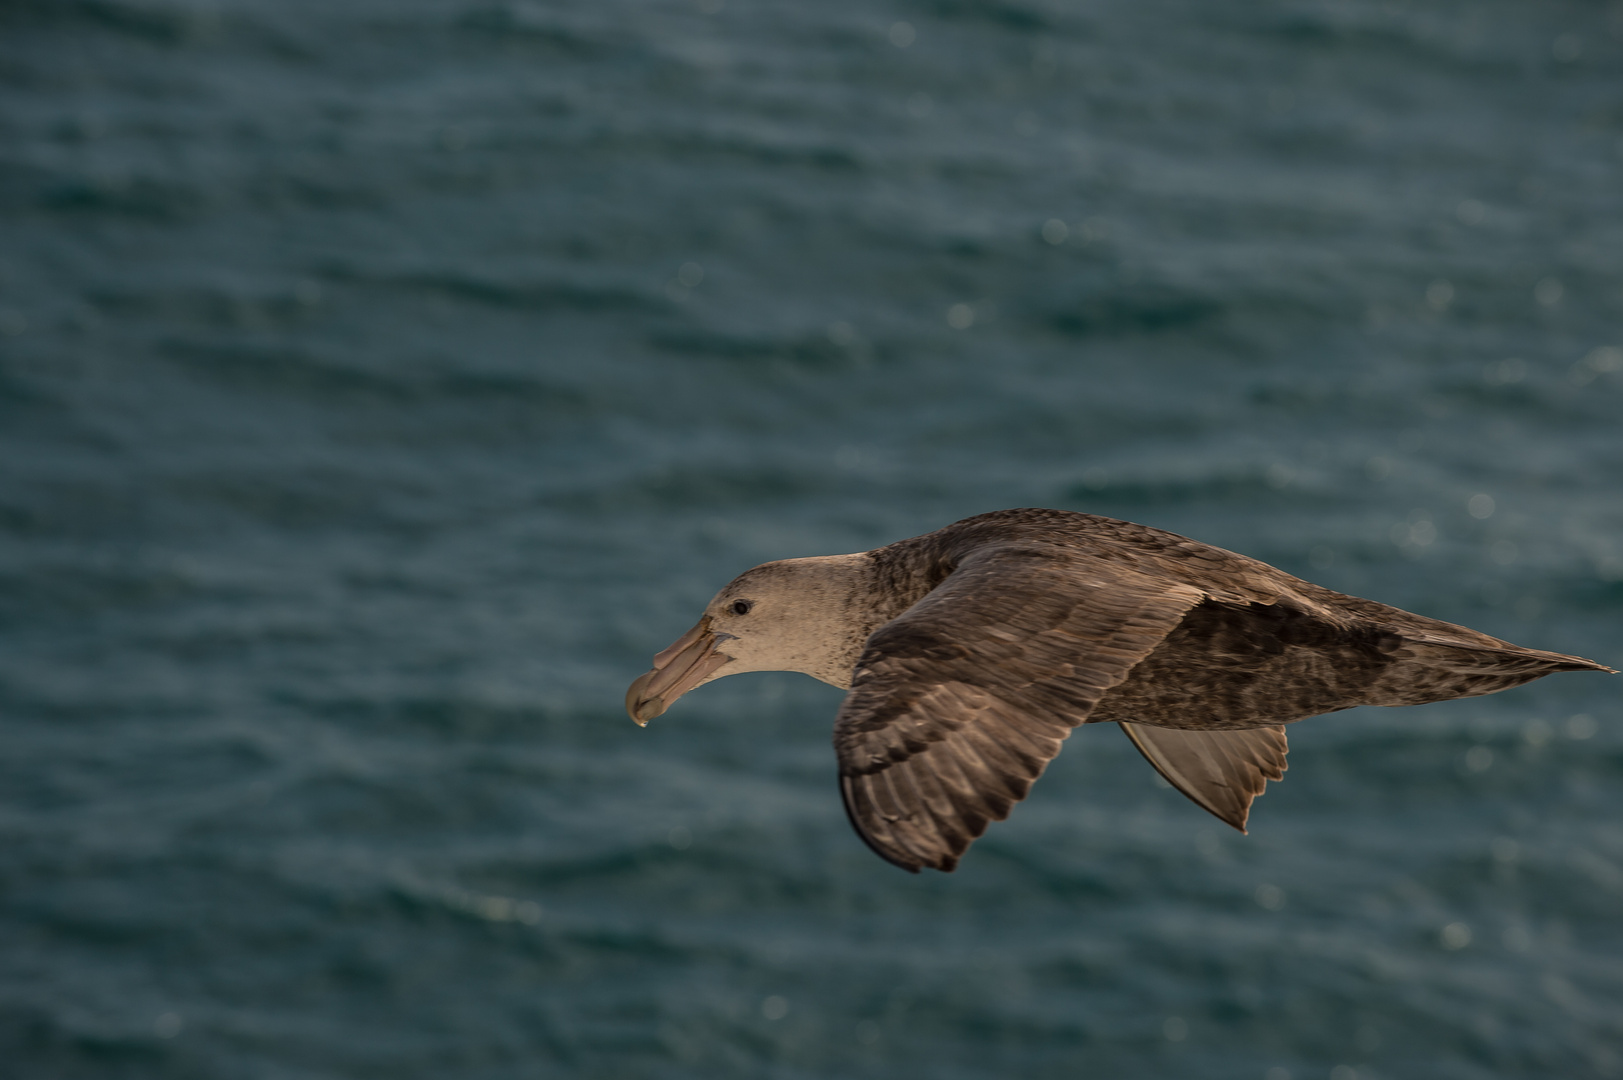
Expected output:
(742, 607)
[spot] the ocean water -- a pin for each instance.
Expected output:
(383, 382)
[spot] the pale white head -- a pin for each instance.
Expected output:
(792, 615)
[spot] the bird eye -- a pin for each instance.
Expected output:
(742, 607)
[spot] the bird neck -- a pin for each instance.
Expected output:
(829, 618)
(859, 594)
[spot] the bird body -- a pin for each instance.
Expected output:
(970, 653)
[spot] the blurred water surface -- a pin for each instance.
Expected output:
(382, 382)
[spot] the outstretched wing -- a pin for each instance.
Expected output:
(959, 703)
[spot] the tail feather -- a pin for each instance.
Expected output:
(1435, 667)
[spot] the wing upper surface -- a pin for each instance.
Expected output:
(959, 703)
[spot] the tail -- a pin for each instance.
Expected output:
(1439, 665)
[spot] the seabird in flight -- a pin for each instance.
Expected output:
(971, 652)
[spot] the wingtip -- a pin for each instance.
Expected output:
(1583, 663)
(890, 855)
(1214, 785)
(906, 860)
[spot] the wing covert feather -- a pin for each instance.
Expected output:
(958, 704)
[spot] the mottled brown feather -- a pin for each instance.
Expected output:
(1012, 694)
(1016, 626)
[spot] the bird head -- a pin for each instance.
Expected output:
(790, 615)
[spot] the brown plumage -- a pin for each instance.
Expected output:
(971, 653)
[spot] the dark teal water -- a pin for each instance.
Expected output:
(383, 382)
